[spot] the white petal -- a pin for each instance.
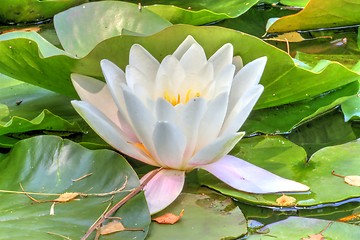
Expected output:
(237, 116)
(144, 61)
(141, 121)
(108, 131)
(115, 79)
(96, 93)
(224, 79)
(170, 144)
(247, 177)
(222, 57)
(170, 76)
(184, 46)
(212, 121)
(189, 117)
(193, 59)
(246, 78)
(164, 111)
(215, 150)
(163, 189)
(135, 77)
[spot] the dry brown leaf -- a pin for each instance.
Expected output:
(28, 29)
(169, 218)
(286, 201)
(112, 227)
(349, 218)
(318, 236)
(66, 197)
(352, 180)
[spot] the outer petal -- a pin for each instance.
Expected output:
(108, 131)
(96, 93)
(144, 61)
(237, 116)
(246, 78)
(170, 144)
(135, 77)
(164, 111)
(215, 150)
(247, 177)
(163, 189)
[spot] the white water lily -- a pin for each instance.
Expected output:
(181, 114)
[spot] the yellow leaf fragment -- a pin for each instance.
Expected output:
(352, 180)
(112, 227)
(66, 197)
(318, 236)
(349, 218)
(169, 218)
(286, 201)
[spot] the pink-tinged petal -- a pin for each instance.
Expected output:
(189, 118)
(163, 188)
(141, 59)
(193, 59)
(184, 46)
(96, 93)
(222, 57)
(237, 116)
(247, 177)
(110, 132)
(170, 144)
(215, 150)
(212, 121)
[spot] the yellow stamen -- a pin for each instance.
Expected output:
(175, 100)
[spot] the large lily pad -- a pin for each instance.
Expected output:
(199, 12)
(302, 228)
(207, 215)
(94, 22)
(284, 81)
(320, 14)
(351, 108)
(14, 11)
(284, 118)
(48, 164)
(285, 159)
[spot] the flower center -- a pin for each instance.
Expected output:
(175, 99)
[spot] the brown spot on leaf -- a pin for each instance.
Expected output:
(318, 236)
(114, 227)
(169, 218)
(67, 197)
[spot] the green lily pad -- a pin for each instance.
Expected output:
(15, 11)
(351, 108)
(302, 228)
(320, 14)
(287, 160)
(284, 81)
(94, 22)
(326, 130)
(48, 164)
(198, 12)
(282, 119)
(296, 3)
(207, 215)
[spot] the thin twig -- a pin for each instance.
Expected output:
(109, 213)
(59, 235)
(81, 178)
(335, 174)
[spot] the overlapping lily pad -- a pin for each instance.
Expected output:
(14, 11)
(320, 14)
(303, 228)
(285, 159)
(224, 220)
(198, 12)
(48, 164)
(284, 81)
